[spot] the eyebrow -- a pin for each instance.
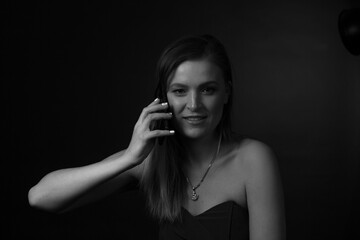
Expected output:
(201, 85)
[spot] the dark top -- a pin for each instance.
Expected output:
(226, 220)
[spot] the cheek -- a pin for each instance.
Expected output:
(174, 104)
(216, 105)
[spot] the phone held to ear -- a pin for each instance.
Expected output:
(162, 124)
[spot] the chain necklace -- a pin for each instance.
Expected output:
(195, 196)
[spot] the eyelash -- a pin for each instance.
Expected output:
(178, 91)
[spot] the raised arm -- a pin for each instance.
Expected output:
(66, 189)
(264, 194)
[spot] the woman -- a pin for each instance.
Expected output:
(201, 181)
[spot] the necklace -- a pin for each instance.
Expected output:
(195, 196)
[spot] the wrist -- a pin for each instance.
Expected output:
(133, 159)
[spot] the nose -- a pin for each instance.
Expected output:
(194, 101)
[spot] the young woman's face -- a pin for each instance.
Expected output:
(196, 96)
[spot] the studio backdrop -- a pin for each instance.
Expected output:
(76, 76)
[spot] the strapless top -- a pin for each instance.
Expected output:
(227, 220)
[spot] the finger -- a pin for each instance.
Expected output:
(151, 120)
(157, 107)
(152, 108)
(158, 116)
(145, 110)
(156, 100)
(160, 133)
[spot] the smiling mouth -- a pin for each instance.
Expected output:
(195, 120)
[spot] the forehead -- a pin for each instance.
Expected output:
(196, 72)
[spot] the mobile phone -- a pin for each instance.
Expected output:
(162, 124)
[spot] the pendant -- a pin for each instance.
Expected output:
(194, 196)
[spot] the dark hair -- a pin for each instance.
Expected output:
(163, 180)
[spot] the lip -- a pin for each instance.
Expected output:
(195, 119)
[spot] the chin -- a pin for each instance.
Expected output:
(194, 133)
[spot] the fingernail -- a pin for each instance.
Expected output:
(172, 131)
(164, 104)
(156, 99)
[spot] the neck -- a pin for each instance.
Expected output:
(201, 150)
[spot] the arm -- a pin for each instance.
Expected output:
(66, 189)
(264, 194)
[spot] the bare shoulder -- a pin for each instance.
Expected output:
(248, 153)
(255, 156)
(264, 194)
(254, 150)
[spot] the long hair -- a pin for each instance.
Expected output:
(163, 180)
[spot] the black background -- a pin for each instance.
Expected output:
(75, 77)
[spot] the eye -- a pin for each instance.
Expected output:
(179, 91)
(209, 90)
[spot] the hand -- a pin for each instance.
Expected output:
(142, 141)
